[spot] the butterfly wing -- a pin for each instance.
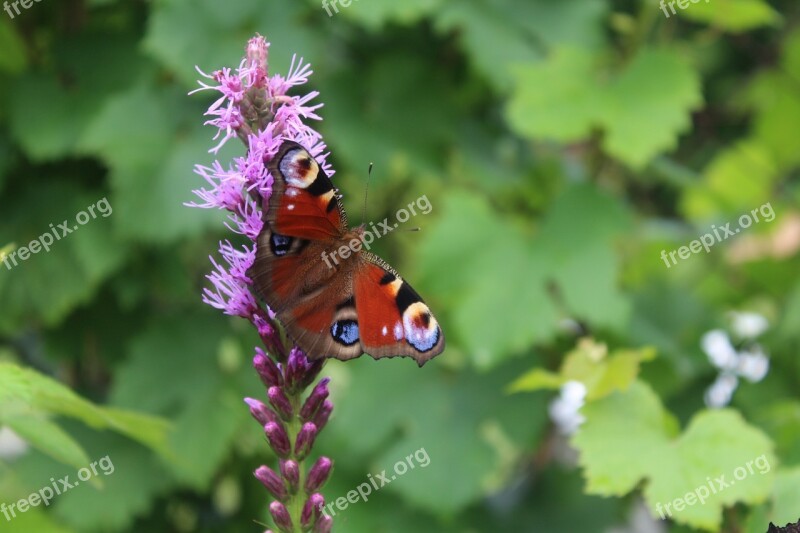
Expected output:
(392, 318)
(304, 202)
(311, 300)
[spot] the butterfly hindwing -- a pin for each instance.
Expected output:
(393, 319)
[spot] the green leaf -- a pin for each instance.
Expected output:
(440, 415)
(190, 387)
(49, 285)
(29, 399)
(785, 497)
(589, 363)
(468, 234)
(375, 14)
(735, 16)
(14, 57)
(728, 185)
(568, 95)
(47, 437)
(629, 438)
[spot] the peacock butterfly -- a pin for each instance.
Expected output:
(357, 305)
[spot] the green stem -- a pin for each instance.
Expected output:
(297, 500)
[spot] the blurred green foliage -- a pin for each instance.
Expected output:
(563, 143)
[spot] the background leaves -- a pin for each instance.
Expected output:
(563, 145)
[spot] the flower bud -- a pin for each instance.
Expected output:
(291, 475)
(305, 440)
(281, 516)
(280, 402)
(312, 510)
(267, 369)
(260, 412)
(278, 439)
(314, 400)
(271, 481)
(322, 416)
(324, 524)
(318, 474)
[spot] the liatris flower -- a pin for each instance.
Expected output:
(255, 108)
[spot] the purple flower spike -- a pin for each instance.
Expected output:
(324, 524)
(271, 481)
(281, 516)
(290, 471)
(318, 475)
(255, 107)
(280, 402)
(267, 370)
(323, 415)
(305, 440)
(315, 399)
(312, 510)
(278, 439)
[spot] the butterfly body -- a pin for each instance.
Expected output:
(335, 298)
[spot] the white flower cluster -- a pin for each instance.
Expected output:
(564, 409)
(749, 362)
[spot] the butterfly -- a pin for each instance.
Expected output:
(341, 309)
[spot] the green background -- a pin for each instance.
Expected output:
(563, 145)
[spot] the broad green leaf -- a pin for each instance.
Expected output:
(567, 96)
(190, 387)
(657, 87)
(590, 364)
(27, 399)
(537, 379)
(490, 428)
(467, 234)
(728, 185)
(629, 438)
(47, 437)
(152, 182)
(48, 285)
(736, 16)
(785, 497)
(47, 114)
(375, 14)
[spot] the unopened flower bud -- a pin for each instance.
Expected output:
(271, 481)
(318, 474)
(305, 440)
(314, 400)
(278, 439)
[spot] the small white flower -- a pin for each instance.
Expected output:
(717, 345)
(720, 392)
(11, 444)
(753, 364)
(748, 325)
(564, 409)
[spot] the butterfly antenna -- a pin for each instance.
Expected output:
(366, 194)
